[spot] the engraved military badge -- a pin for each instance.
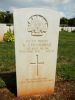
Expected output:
(37, 25)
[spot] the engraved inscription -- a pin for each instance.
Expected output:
(36, 80)
(36, 46)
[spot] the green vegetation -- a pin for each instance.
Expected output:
(2, 83)
(67, 22)
(66, 58)
(7, 56)
(6, 17)
(73, 31)
(9, 36)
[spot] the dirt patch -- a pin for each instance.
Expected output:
(64, 90)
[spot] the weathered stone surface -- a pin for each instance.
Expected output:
(36, 34)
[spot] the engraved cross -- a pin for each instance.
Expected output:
(37, 64)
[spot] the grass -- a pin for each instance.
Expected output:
(65, 63)
(66, 56)
(7, 57)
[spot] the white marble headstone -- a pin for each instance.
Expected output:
(36, 43)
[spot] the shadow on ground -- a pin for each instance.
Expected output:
(10, 81)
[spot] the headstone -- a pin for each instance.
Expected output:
(2, 28)
(36, 43)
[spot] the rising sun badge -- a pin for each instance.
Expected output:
(37, 25)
